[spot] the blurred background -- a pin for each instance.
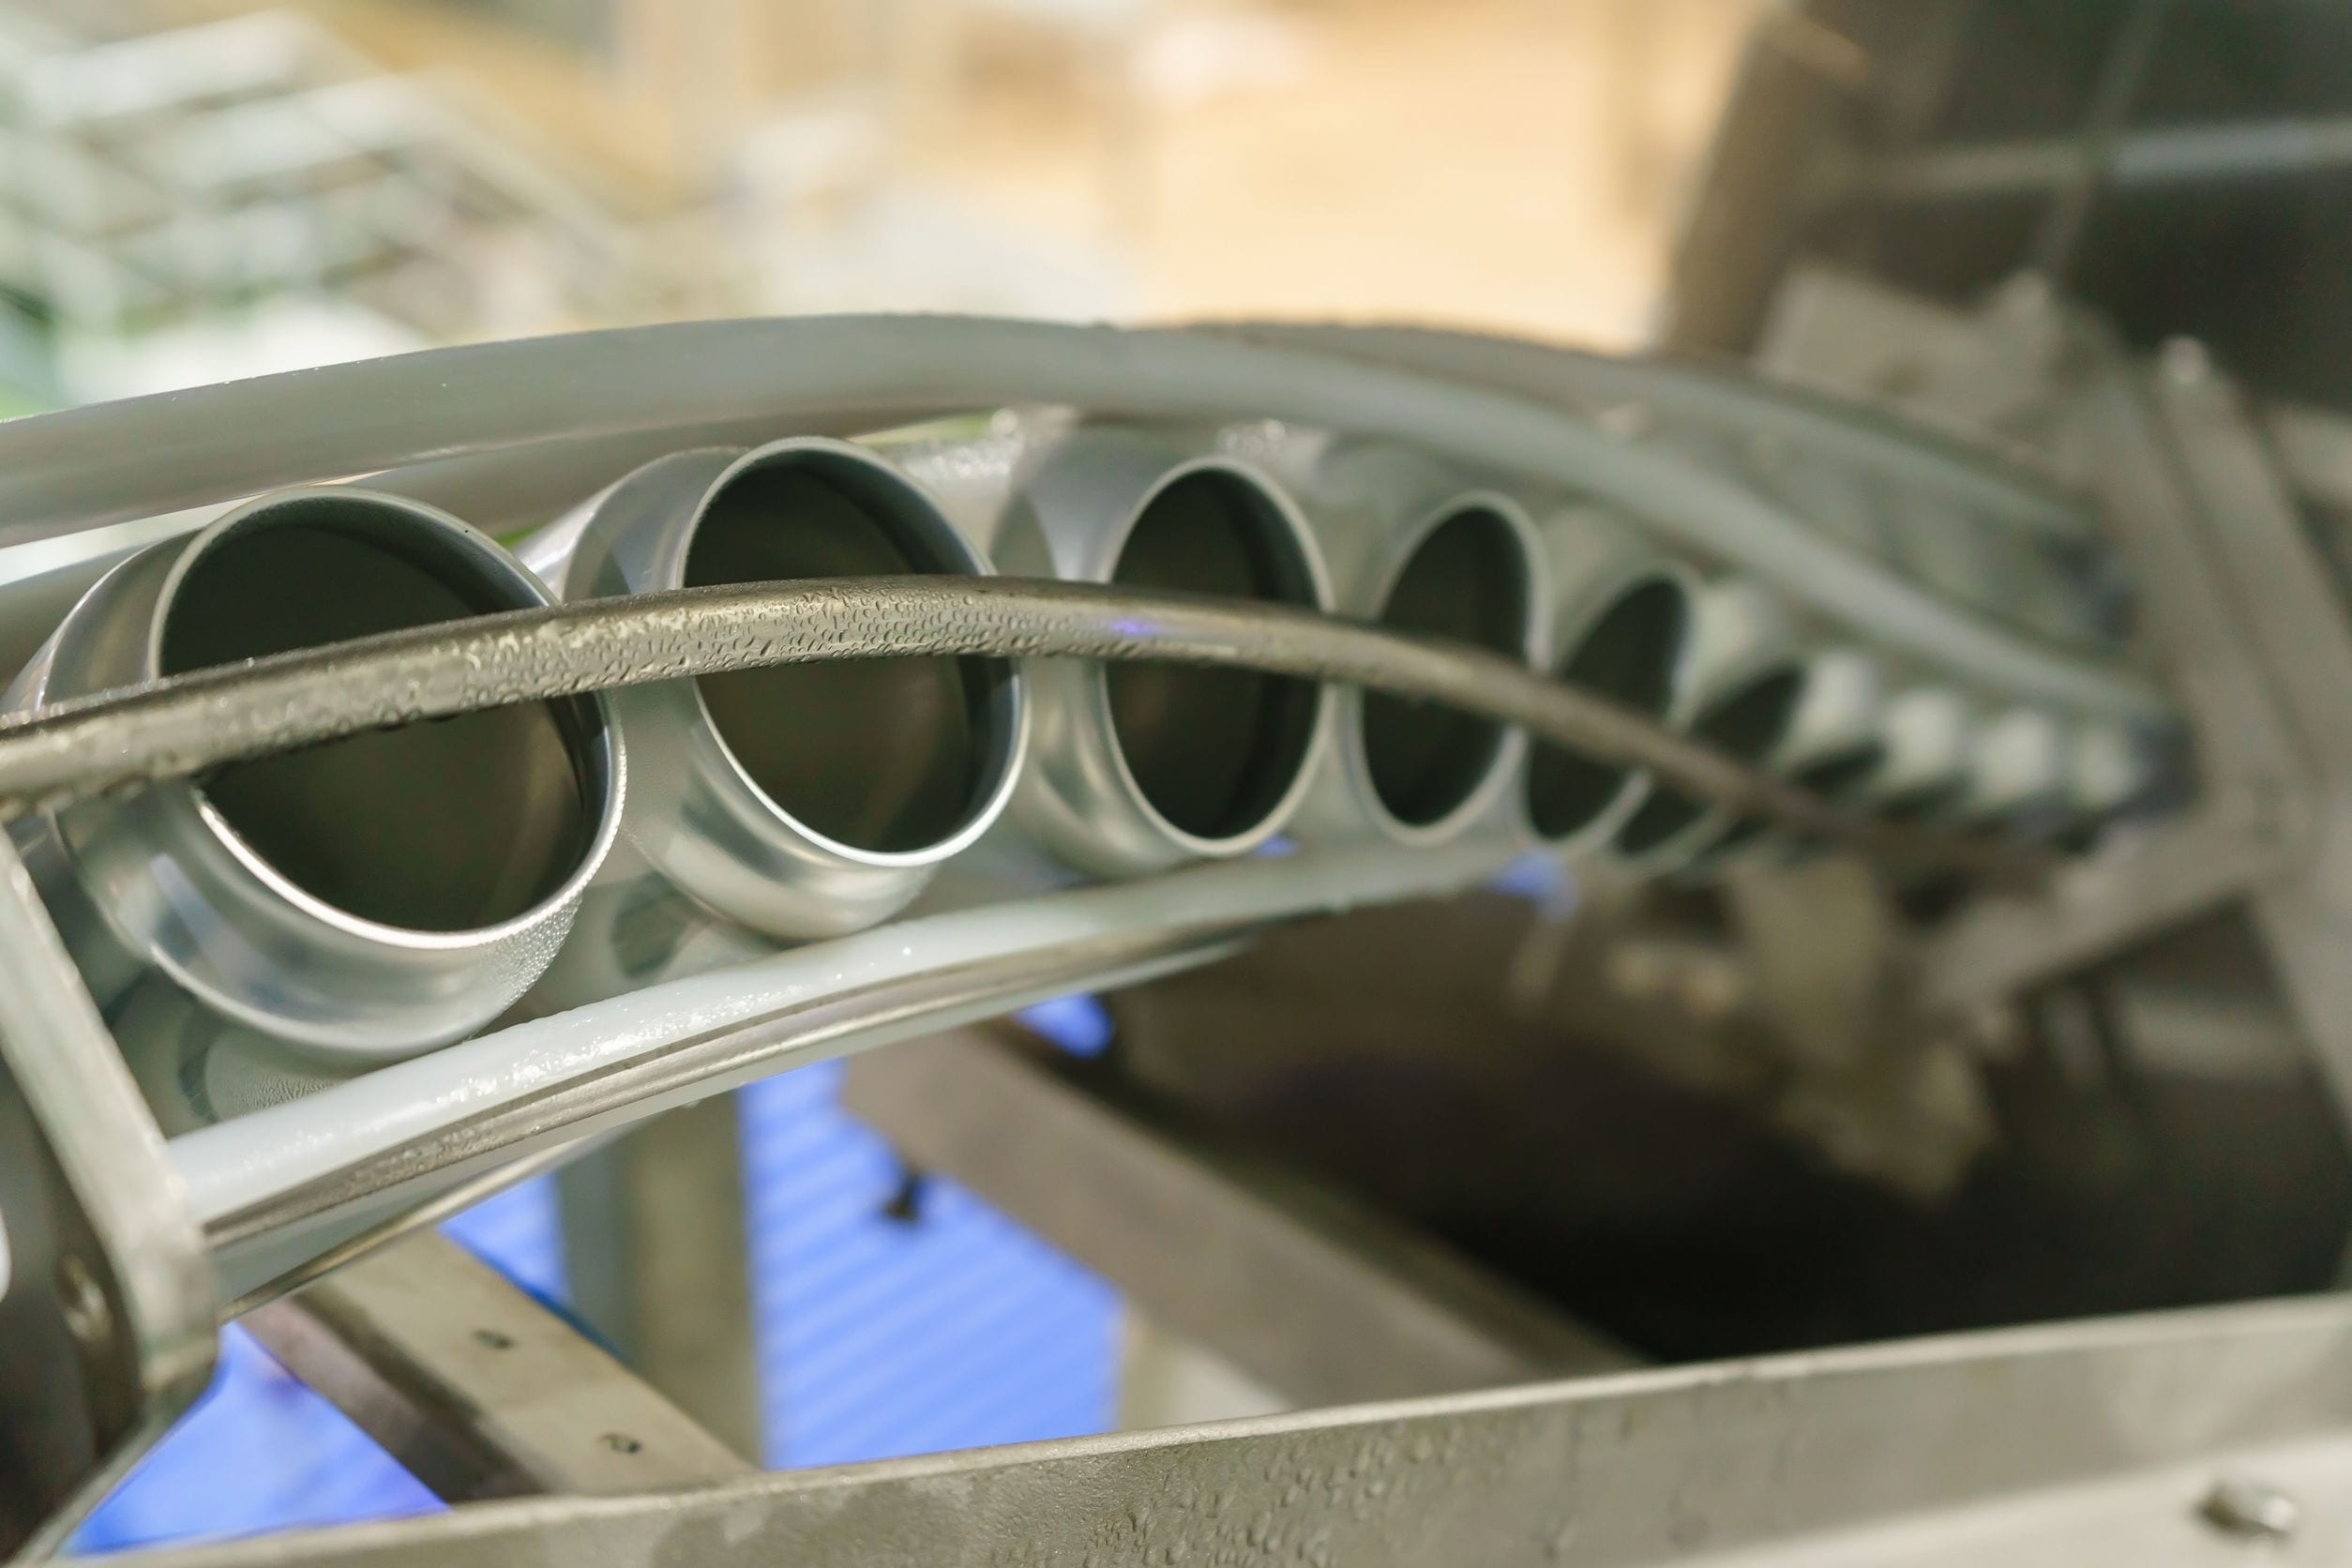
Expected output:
(192, 190)
(199, 189)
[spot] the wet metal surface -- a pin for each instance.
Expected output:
(173, 728)
(1968, 1449)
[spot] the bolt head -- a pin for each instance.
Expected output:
(2250, 1510)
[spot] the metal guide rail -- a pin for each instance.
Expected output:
(357, 864)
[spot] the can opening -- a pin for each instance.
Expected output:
(1629, 656)
(1212, 751)
(451, 825)
(1467, 579)
(889, 756)
(1834, 776)
(1746, 723)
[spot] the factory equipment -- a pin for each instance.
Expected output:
(1593, 861)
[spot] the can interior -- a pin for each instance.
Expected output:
(1213, 751)
(885, 755)
(1747, 722)
(449, 825)
(1467, 579)
(1629, 655)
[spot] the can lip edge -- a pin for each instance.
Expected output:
(596, 757)
(1507, 755)
(1298, 534)
(1007, 753)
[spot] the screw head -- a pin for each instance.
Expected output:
(2251, 1509)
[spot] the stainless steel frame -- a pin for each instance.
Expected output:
(1618, 1469)
(476, 1389)
(1322, 1301)
(2166, 1439)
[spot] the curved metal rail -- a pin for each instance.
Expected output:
(607, 397)
(528, 428)
(1836, 427)
(187, 723)
(279, 1185)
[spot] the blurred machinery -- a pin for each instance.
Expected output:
(158, 179)
(178, 193)
(1592, 865)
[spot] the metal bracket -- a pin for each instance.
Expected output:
(2245, 615)
(106, 1296)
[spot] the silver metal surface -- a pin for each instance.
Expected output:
(2248, 1510)
(656, 1261)
(235, 438)
(1621, 624)
(1747, 684)
(146, 1346)
(451, 1200)
(186, 723)
(1309, 1293)
(1930, 733)
(40, 582)
(1409, 547)
(1081, 507)
(2150, 156)
(584, 1104)
(796, 800)
(309, 1143)
(2071, 1438)
(1839, 501)
(1852, 434)
(2240, 613)
(1139, 770)
(2134, 886)
(356, 901)
(2019, 768)
(1836, 739)
(1836, 744)
(2314, 446)
(2110, 767)
(475, 1389)
(2272, 582)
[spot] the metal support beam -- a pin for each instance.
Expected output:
(107, 1327)
(476, 1389)
(2094, 909)
(2282, 595)
(2239, 608)
(655, 1243)
(2188, 155)
(2241, 605)
(2171, 1439)
(2314, 447)
(1295, 1286)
